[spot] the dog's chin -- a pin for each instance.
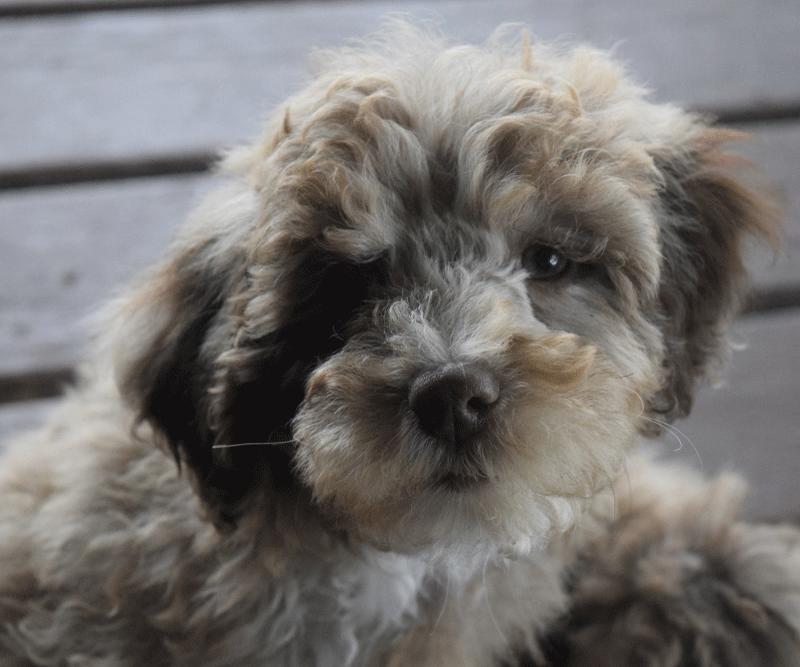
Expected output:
(456, 519)
(471, 523)
(414, 503)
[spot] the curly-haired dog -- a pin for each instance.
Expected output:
(401, 358)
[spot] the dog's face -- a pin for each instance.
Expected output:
(442, 296)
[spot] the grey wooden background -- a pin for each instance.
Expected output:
(110, 111)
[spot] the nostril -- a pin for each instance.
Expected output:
(451, 403)
(479, 405)
(483, 391)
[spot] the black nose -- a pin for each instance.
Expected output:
(452, 403)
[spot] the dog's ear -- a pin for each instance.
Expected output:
(161, 365)
(706, 216)
(167, 335)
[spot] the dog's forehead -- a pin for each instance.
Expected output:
(449, 167)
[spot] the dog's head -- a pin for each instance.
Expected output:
(443, 294)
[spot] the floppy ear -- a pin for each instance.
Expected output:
(167, 338)
(163, 362)
(706, 216)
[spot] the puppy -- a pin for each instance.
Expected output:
(376, 405)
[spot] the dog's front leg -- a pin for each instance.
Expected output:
(674, 580)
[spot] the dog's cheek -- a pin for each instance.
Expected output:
(576, 420)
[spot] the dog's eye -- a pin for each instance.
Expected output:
(543, 262)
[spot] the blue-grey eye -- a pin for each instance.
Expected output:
(544, 262)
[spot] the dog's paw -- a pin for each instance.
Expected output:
(682, 591)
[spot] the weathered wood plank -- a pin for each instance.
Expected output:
(776, 148)
(107, 86)
(752, 423)
(63, 250)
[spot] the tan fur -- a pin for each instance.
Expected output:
(377, 404)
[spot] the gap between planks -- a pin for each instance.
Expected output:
(46, 175)
(62, 7)
(92, 172)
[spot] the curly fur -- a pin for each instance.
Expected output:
(400, 359)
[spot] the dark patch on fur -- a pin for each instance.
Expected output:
(173, 380)
(444, 183)
(326, 295)
(177, 391)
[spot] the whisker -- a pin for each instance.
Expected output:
(639, 396)
(444, 602)
(489, 604)
(679, 435)
(674, 431)
(251, 444)
(615, 512)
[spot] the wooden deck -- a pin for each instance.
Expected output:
(111, 111)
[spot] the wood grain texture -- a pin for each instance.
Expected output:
(64, 250)
(775, 147)
(121, 85)
(751, 423)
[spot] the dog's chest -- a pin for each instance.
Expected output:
(348, 610)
